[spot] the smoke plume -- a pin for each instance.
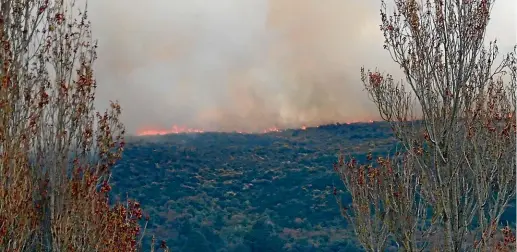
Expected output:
(238, 64)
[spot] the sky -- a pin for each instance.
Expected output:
(245, 65)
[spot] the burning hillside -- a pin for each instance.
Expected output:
(176, 129)
(246, 67)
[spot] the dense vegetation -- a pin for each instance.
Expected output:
(243, 192)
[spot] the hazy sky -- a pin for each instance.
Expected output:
(244, 64)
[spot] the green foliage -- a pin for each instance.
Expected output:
(261, 237)
(225, 183)
(196, 242)
(241, 248)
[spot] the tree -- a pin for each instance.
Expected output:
(56, 150)
(241, 247)
(261, 237)
(196, 242)
(454, 117)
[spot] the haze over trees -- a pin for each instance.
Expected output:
(455, 173)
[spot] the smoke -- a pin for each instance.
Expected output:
(237, 64)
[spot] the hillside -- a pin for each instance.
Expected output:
(244, 192)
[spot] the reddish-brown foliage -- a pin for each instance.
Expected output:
(56, 151)
(457, 163)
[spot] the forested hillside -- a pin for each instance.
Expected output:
(246, 192)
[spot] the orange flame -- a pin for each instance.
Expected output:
(180, 130)
(174, 130)
(271, 129)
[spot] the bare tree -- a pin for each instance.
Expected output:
(56, 149)
(454, 117)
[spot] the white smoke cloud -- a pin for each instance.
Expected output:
(244, 64)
